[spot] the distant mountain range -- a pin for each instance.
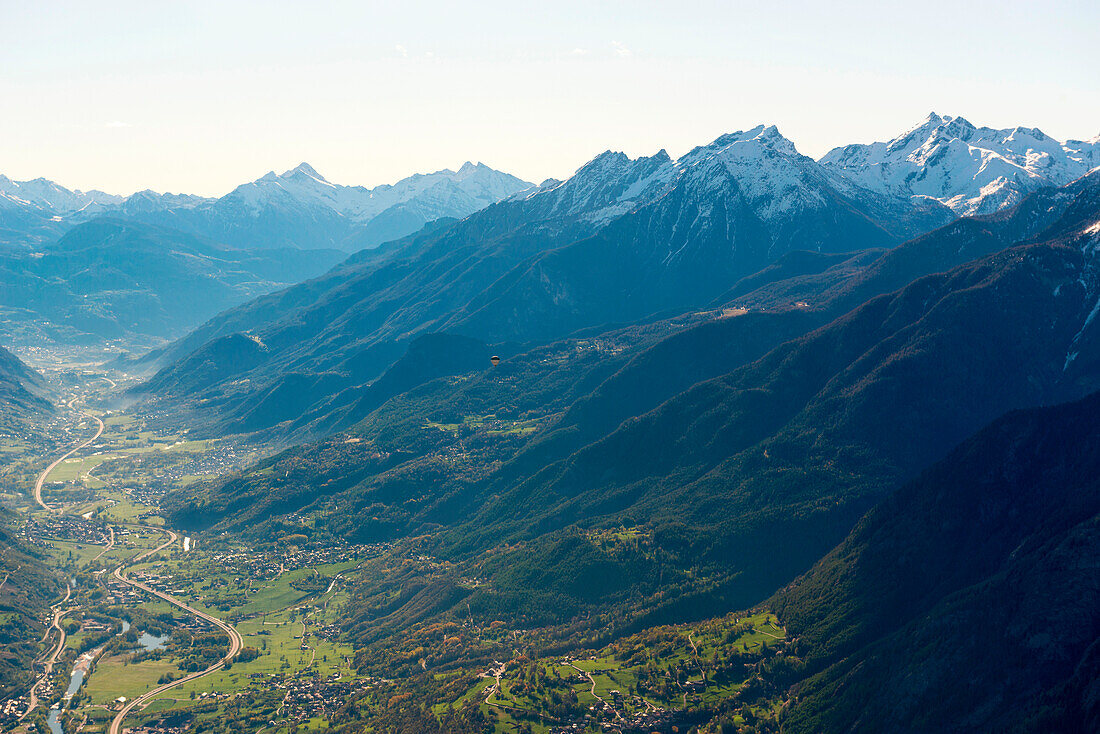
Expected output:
(297, 208)
(114, 279)
(90, 266)
(972, 170)
(522, 263)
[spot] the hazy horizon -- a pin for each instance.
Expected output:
(199, 98)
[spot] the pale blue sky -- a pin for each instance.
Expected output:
(199, 96)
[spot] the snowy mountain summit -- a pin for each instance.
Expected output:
(973, 170)
(45, 195)
(472, 187)
(766, 165)
(757, 172)
(296, 208)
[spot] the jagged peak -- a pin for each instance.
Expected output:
(604, 163)
(1031, 132)
(766, 135)
(930, 122)
(608, 156)
(955, 127)
(305, 169)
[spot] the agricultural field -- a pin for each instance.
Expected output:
(490, 424)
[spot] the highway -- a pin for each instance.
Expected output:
(110, 542)
(234, 638)
(235, 641)
(42, 477)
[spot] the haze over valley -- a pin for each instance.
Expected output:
(734, 439)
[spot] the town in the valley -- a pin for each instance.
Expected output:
(159, 630)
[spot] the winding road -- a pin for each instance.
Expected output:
(51, 660)
(42, 477)
(235, 641)
(595, 695)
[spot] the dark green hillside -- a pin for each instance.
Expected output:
(428, 357)
(423, 426)
(777, 459)
(24, 398)
(969, 600)
(29, 588)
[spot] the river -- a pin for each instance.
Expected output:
(80, 669)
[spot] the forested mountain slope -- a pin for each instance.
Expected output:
(24, 394)
(969, 600)
(749, 475)
(29, 588)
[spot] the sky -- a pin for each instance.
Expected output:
(199, 96)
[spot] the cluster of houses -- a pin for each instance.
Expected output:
(650, 720)
(156, 579)
(145, 494)
(607, 714)
(221, 458)
(308, 698)
(119, 594)
(653, 719)
(64, 527)
(12, 709)
(270, 565)
(160, 727)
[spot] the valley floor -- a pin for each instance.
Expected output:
(159, 631)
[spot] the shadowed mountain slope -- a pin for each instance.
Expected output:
(969, 600)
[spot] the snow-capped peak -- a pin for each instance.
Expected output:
(304, 169)
(47, 196)
(442, 193)
(769, 171)
(765, 135)
(298, 206)
(971, 169)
